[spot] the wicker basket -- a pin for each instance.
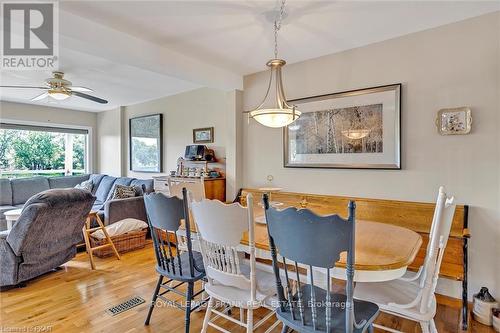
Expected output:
(124, 243)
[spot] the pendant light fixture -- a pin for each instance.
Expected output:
(274, 111)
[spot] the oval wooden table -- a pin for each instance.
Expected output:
(383, 251)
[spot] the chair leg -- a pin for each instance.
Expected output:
(242, 315)
(153, 301)
(425, 326)
(433, 326)
(207, 315)
(370, 328)
(284, 329)
(189, 297)
(249, 320)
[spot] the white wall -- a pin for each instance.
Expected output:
(55, 116)
(182, 113)
(453, 65)
(109, 137)
(234, 153)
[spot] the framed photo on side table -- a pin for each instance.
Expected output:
(357, 129)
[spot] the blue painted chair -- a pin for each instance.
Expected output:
(164, 217)
(305, 240)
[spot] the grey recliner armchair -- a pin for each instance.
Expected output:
(45, 235)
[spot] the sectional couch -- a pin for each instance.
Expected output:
(15, 192)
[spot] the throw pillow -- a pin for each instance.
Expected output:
(139, 190)
(122, 192)
(86, 185)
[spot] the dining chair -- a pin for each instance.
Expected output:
(413, 298)
(304, 239)
(232, 279)
(180, 269)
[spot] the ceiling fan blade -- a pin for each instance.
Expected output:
(40, 97)
(25, 87)
(80, 89)
(92, 98)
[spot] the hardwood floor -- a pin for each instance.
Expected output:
(74, 299)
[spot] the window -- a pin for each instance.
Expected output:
(27, 151)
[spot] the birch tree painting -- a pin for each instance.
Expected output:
(348, 130)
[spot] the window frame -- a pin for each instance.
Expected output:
(89, 147)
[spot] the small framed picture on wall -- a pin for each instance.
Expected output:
(203, 135)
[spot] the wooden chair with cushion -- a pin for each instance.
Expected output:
(231, 279)
(304, 239)
(164, 217)
(413, 298)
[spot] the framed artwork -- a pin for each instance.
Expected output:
(203, 135)
(454, 121)
(358, 129)
(146, 143)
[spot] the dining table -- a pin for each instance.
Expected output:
(383, 251)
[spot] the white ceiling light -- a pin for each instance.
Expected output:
(59, 94)
(274, 111)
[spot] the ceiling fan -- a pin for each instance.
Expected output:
(60, 89)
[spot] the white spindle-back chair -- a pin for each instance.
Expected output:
(413, 298)
(231, 279)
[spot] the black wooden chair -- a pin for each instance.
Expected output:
(164, 217)
(308, 240)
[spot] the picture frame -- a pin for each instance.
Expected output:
(454, 121)
(146, 143)
(355, 129)
(203, 135)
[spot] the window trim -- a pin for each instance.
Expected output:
(89, 160)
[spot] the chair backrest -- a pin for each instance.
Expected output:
(306, 239)
(51, 220)
(221, 227)
(438, 238)
(164, 218)
(195, 186)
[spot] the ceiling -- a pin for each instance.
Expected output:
(133, 51)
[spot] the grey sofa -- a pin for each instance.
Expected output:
(14, 193)
(45, 235)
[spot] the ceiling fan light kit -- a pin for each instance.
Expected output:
(59, 94)
(274, 110)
